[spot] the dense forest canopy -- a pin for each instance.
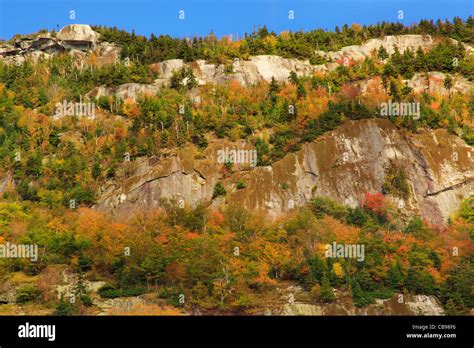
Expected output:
(191, 251)
(262, 41)
(149, 125)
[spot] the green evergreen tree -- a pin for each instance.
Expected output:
(395, 276)
(327, 294)
(382, 53)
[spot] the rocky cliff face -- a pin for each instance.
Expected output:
(389, 42)
(396, 305)
(343, 165)
(431, 82)
(402, 42)
(266, 67)
(413, 305)
(76, 39)
(258, 68)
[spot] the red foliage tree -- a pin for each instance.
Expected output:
(374, 202)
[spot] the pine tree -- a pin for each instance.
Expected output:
(365, 280)
(274, 86)
(300, 90)
(448, 83)
(382, 53)
(420, 60)
(273, 90)
(327, 294)
(293, 78)
(395, 276)
(455, 306)
(394, 90)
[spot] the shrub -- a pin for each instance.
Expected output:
(109, 291)
(455, 306)
(133, 292)
(166, 292)
(382, 294)
(228, 165)
(324, 206)
(466, 211)
(103, 103)
(363, 298)
(219, 190)
(396, 183)
(27, 293)
(171, 295)
(357, 217)
(244, 301)
(64, 308)
(317, 60)
(86, 300)
(241, 185)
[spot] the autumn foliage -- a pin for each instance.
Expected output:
(374, 202)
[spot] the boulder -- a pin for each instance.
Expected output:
(79, 36)
(108, 53)
(167, 67)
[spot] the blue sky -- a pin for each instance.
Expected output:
(220, 16)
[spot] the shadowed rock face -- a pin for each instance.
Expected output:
(343, 164)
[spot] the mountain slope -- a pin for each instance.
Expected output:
(343, 165)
